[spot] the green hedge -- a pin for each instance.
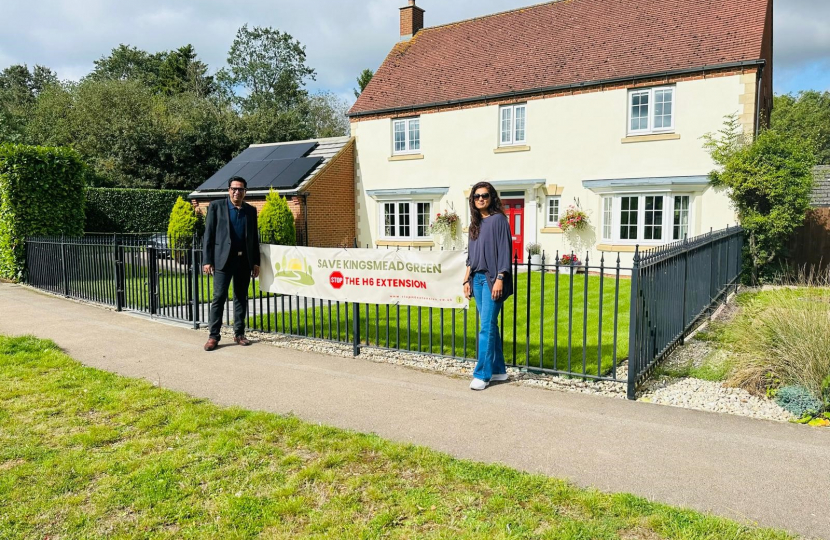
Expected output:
(120, 210)
(41, 193)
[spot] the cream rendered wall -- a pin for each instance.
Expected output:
(571, 139)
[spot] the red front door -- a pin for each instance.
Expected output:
(514, 209)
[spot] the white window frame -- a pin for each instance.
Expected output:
(548, 220)
(650, 92)
(512, 139)
(666, 225)
(409, 143)
(689, 213)
(413, 219)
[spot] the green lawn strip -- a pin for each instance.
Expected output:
(89, 454)
(420, 329)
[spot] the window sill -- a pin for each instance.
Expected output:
(511, 149)
(624, 248)
(406, 157)
(552, 230)
(653, 137)
(404, 243)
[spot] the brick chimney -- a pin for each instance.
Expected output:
(412, 20)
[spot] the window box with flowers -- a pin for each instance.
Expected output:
(446, 228)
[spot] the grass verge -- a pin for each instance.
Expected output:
(89, 454)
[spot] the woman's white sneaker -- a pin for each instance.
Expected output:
(499, 377)
(478, 384)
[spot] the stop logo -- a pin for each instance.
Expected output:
(336, 280)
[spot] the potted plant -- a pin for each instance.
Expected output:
(568, 261)
(534, 250)
(446, 228)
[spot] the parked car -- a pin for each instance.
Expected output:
(161, 245)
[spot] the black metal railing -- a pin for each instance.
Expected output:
(572, 320)
(673, 288)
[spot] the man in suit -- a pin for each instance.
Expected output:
(231, 252)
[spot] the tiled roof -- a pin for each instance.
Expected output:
(563, 43)
(821, 190)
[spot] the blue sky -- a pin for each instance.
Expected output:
(341, 37)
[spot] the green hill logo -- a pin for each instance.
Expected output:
(294, 271)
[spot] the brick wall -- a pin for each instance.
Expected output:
(331, 202)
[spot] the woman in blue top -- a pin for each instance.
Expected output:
(488, 280)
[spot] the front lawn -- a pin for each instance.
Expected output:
(537, 341)
(88, 454)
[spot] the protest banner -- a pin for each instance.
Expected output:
(374, 276)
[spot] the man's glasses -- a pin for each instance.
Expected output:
(238, 189)
(484, 196)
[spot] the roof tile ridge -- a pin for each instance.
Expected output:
(498, 13)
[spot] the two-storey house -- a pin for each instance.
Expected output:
(595, 103)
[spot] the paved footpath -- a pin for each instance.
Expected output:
(763, 472)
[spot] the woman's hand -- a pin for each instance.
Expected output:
(468, 291)
(497, 290)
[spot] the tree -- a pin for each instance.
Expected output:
(19, 89)
(168, 72)
(266, 69)
(770, 181)
(805, 115)
(327, 114)
(363, 81)
(184, 224)
(276, 222)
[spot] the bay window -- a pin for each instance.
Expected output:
(643, 217)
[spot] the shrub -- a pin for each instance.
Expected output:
(784, 338)
(276, 222)
(120, 210)
(770, 181)
(533, 249)
(41, 193)
(184, 223)
(798, 401)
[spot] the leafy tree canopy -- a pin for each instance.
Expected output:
(363, 81)
(770, 180)
(806, 115)
(266, 69)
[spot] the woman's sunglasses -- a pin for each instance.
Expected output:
(484, 196)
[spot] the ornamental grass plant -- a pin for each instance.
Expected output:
(784, 339)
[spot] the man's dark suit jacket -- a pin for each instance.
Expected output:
(217, 239)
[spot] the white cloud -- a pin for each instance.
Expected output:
(341, 38)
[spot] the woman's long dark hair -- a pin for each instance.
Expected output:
(475, 216)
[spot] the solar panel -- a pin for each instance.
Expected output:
(266, 166)
(220, 179)
(291, 151)
(271, 170)
(256, 153)
(296, 172)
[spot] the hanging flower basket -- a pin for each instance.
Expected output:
(575, 219)
(446, 227)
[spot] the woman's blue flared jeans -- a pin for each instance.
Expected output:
(490, 354)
